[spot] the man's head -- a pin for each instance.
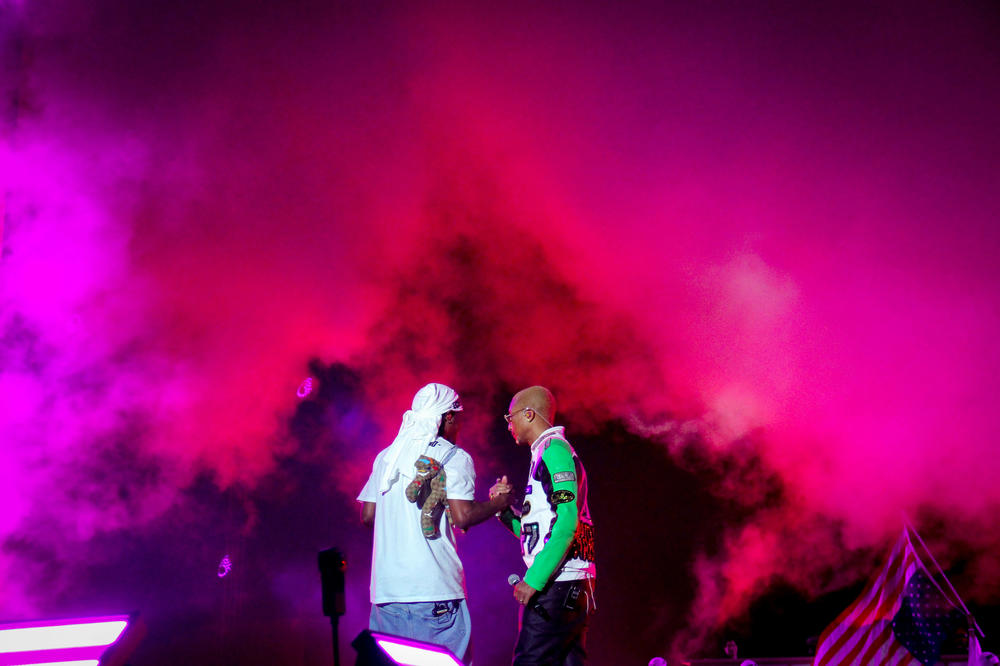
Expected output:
(450, 425)
(532, 412)
(433, 406)
(438, 404)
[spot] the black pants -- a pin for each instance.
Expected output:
(554, 626)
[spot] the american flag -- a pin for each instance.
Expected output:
(901, 619)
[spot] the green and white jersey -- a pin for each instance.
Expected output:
(556, 532)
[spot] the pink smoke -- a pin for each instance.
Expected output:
(730, 229)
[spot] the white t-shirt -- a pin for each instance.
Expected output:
(406, 566)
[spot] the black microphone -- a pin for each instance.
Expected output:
(514, 579)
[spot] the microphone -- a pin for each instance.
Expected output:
(514, 579)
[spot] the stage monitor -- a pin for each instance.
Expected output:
(377, 649)
(87, 641)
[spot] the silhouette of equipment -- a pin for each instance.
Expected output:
(332, 566)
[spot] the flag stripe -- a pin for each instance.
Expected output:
(902, 656)
(876, 619)
(863, 634)
(839, 632)
(849, 631)
(878, 645)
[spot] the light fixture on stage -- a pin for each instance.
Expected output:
(307, 386)
(225, 566)
(377, 649)
(89, 641)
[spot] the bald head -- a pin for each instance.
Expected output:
(526, 426)
(537, 398)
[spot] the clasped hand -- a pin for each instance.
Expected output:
(502, 487)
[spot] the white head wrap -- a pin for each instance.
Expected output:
(420, 427)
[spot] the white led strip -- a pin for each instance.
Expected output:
(79, 662)
(410, 655)
(55, 637)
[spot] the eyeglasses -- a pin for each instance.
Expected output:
(510, 417)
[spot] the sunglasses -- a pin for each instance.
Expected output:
(510, 417)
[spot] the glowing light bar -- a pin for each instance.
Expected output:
(49, 636)
(84, 662)
(86, 641)
(413, 653)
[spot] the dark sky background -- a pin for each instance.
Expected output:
(750, 246)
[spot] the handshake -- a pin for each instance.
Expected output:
(502, 492)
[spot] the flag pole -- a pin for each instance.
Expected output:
(972, 620)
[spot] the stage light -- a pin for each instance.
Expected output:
(74, 642)
(51, 636)
(225, 566)
(377, 649)
(84, 662)
(306, 387)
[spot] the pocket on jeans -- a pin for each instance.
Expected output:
(445, 620)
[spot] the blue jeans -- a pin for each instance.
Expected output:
(444, 623)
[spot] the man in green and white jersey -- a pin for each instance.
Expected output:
(557, 538)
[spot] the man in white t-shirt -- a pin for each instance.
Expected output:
(420, 487)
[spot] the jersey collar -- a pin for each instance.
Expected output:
(548, 434)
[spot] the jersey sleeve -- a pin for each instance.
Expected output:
(460, 475)
(511, 521)
(563, 497)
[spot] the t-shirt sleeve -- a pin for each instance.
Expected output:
(461, 476)
(370, 492)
